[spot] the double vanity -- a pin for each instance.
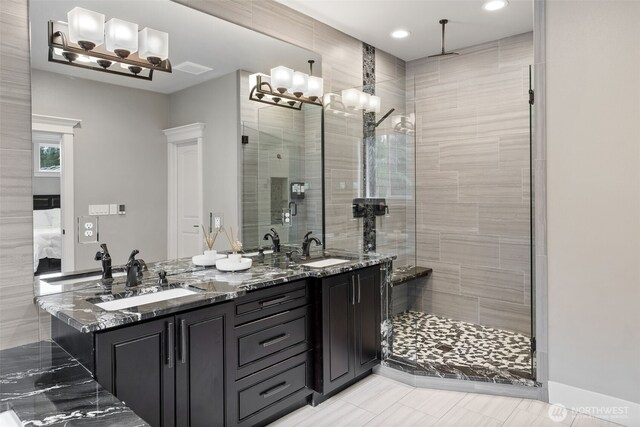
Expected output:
(203, 347)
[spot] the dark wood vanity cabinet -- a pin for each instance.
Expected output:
(172, 371)
(349, 305)
(273, 340)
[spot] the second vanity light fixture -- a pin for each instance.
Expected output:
(116, 46)
(287, 88)
(351, 101)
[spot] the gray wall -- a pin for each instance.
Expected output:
(472, 183)
(216, 104)
(593, 140)
(120, 156)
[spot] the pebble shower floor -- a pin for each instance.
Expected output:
(438, 346)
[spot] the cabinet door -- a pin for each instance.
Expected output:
(136, 364)
(367, 318)
(204, 382)
(338, 306)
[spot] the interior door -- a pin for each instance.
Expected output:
(188, 193)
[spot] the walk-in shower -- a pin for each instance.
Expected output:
(451, 164)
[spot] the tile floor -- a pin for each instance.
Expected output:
(451, 348)
(380, 401)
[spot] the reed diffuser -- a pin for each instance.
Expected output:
(236, 245)
(210, 240)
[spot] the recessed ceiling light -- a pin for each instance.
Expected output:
(400, 34)
(492, 5)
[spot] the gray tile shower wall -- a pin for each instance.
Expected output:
(473, 183)
(18, 314)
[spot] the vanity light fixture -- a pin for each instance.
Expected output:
(400, 34)
(286, 88)
(116, 47)
(493, 5)
(355, 99)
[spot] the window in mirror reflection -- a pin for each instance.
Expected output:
(47, 159)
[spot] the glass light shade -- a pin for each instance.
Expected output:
(300, 83)
(85, 26)
(315, 86)
(374, 104)
(281, 77)
(351, 98)
(121, 35)
(153, 44)
(363, 103)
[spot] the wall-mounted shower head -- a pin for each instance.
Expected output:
(443, 22)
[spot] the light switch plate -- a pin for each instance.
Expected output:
(95, 210)
(87, 229)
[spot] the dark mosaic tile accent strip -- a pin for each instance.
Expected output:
(368, 146)
(430, 345)
(47, 387)
(386, 328)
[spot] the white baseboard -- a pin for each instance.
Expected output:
(595, 404)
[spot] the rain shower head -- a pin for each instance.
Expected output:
(443, 22)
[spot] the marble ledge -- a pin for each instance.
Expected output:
(76, 306)
(45, 386)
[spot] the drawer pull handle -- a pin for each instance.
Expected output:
(170, 346)
(353, 290)
(274, 301)
(275, 390)
(183, 341)
(275, 340)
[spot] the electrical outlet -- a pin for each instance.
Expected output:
(87, 229)
(286, 218)
(217, 221)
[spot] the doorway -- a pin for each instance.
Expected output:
(185, 190)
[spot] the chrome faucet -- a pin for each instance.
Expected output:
(306, 244)
(134, 268)
(105, 258)
(275, 239)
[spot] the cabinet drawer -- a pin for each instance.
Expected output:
(288, 379)
(271, 340)
(269, 301)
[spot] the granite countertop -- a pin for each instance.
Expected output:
(76, 304)
(46, 387)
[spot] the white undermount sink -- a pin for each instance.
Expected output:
(9, 418)
(329, 262)
(57, 279)
(122, 303)
(266, 252)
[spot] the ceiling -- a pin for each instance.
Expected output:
(372, 21)
(193, 36)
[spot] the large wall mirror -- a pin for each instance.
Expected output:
(141, 164)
